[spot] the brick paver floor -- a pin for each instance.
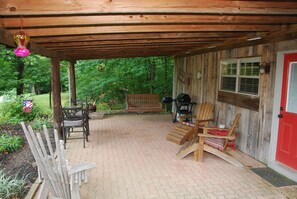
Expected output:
(134, 160)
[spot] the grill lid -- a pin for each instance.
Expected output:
(183, 98)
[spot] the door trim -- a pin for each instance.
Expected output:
(272, 162)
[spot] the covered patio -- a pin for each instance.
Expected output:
(205, 38)
(134, 160)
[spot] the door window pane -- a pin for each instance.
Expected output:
(292, 89)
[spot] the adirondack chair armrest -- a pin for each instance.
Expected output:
(81, 167)
(216, 136)
(78, 174)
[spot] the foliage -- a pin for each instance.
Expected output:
(12, 111)
(36, 76)
(104, 80)
(40, 121)
(11, 186)
(108, 81)
(8, 74)
(10, 143)
(102, 106)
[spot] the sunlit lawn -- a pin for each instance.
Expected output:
(42, 101)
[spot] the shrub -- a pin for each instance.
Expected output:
(118, 106)
(10, 143)
(103, 106)
(12, 111)
(40, 121)
(11, 186)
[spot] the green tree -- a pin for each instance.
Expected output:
(31, 74)
(9, 74)
(109, 80)
(37, 74)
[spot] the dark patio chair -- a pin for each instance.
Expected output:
(74, 118)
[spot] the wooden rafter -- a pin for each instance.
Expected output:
(54, 7)
(93, 29)
(126, 19)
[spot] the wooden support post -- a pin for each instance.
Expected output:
(56, 93)
(72, 88)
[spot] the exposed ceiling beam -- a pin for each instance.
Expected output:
(92, 49)
(126, 19)
(144, 29)
(104, 37)
(55, 7)
(193, 41)
(123, 53)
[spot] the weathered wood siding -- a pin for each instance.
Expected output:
(255, 126)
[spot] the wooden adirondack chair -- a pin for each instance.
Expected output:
(59, 180)
(215, 141)
(185, 130)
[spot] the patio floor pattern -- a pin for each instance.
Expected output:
(134, 160)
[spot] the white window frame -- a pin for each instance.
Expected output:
(238, 76)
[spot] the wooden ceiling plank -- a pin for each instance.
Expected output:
(132, 41)
(165, 35)
(86, 20)
(144, 29)
(92, 48)
(54, 7)
(122, 53)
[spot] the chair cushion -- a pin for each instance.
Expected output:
(218, 132)
(78, 114)
(70, 123)
(217, 143)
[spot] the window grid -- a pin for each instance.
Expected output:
(240, 76)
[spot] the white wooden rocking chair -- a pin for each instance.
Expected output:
(59, 179)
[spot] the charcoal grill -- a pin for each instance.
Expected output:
(183, 105)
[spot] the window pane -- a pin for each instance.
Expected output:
(228, 83)
(249, 68)
(292, 88)
(229, 68)
(249, 85)
(256, 71)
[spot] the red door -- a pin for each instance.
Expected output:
(286, 152)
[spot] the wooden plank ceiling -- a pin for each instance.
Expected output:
(91, 29)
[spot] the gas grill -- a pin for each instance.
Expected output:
(183, 105)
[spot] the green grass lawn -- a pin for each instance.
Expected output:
(42, 101)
